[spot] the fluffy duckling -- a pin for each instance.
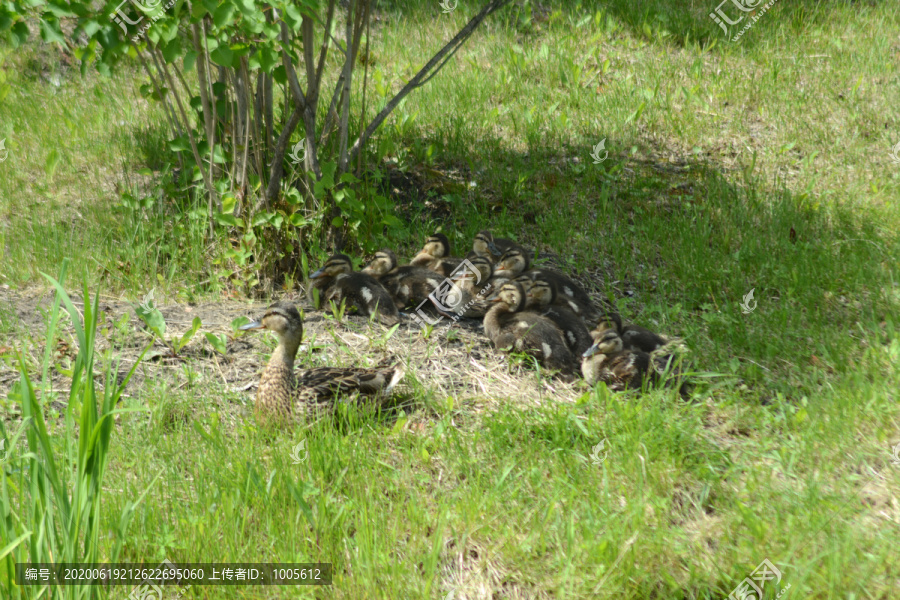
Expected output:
(282, 394)
(474, 289)
(527, 332)
(609, 362)
(634, 337)
(486, 245)
(358, 289)
(542, 297)
(435, 255)
(405, 284)
(516, 263)
(640, 338)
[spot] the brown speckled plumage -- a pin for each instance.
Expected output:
(359, 290)
(435, 255)
(621, 368)
(406, 283)
(526, 331)
(281, 394)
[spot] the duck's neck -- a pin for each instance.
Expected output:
(277, 380)
(492, 319)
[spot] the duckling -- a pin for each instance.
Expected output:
(516, 263)
(282, 394)
(486, 245)
(640, 338)
(405, 284)
(435, 255)
(634, 337)
(359, 289)
(474, 289)
(512, 263)
(542, 297)
(608, 361)
(526, 331)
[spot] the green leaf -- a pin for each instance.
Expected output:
(217, 342)
(172, 50)
(228, 204)
(195, 325)
(327, 181)
(51, 33)
(337, 222)
(222, 56)
(153, 318)
(223, 14)
(223, 219)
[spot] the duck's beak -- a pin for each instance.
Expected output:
(252, 325)
(591, 351)
(318, 273)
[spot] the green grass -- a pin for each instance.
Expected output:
(717, 152)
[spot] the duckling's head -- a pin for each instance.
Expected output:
(512, 295)
(437, 246)
(484, 244)
(542, 292)
(283, 319)
(482, 265)
(384, 262)
(525, 281)
(607, 343)
(334, 266)
(512, 263)
(610, 321)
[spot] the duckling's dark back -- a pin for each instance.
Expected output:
(530, 333)
(367, 295)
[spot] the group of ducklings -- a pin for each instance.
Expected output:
(537, 311)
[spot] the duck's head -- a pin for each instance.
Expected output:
(484, 244)
(512, 263)
(482, 265)
(542, 292)
(384, 262)
(610, 321)
(283, 319)
(437, 246)
(334, 266)
(607, 343)
(512, 295)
